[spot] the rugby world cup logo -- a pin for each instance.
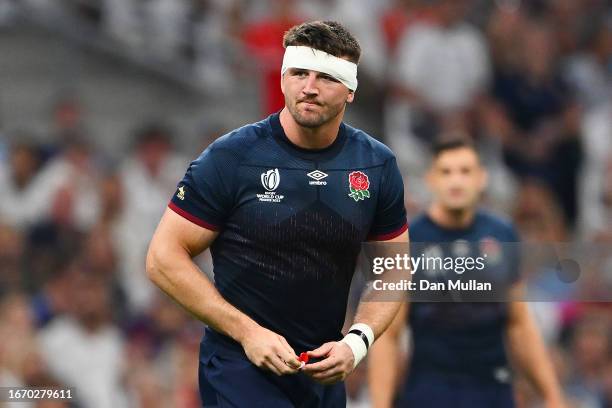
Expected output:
(270, 179)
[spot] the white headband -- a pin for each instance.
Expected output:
(309, 58)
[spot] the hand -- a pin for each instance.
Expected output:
(336, 366)
(270, 351)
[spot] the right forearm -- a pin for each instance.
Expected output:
(180, 278)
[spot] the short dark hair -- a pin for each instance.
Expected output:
(328, 36)
(153, 132)
(452, 143)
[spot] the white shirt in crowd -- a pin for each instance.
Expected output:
(446, 66)
(91, 362)
(21, 208)
(145, 198)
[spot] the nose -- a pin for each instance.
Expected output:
(310, 87)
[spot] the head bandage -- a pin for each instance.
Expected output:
(308, 58)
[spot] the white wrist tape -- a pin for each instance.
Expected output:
(316, 60)
(359, 338)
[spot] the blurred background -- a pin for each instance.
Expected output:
(103, 104)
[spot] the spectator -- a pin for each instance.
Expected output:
(167, 28)
(163, 347)
(121, 22)
(69, 186)
(215, 44)
(541, 131)
(148, 179)
(54, 296)
(597, 192)
(590, 354)
(21, 364)
(21, 201)
(441, 69)
(83, 348)
(537, 214)
(589, 71)
(399, 17)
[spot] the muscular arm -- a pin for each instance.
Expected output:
(339, 357)
(379, 314)
(384, 361)
(169, 265)
(527, 350)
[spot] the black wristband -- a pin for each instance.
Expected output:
(363, 337)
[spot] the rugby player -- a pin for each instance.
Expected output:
(284, 205)
(461, 350)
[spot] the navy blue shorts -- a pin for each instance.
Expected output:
(228, 379)
(436, 390)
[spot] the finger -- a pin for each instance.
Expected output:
(287, 354)
(338, 369)
(321, 351)
(281, 367)
(321, 366)
(291, 362)
(331, 380)
(327, 373)
(288, 359)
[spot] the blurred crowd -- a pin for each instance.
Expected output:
(529, 81)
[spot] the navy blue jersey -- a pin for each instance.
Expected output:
(462, 337)
(291, 222)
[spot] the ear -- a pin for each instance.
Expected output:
(282, 83)
(351, 97)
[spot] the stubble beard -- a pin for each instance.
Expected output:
(315, 119)
(461, 207)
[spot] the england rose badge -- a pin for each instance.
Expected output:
(359, 185)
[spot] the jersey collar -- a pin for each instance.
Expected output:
(326, 153)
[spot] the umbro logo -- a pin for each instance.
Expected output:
(317, 176)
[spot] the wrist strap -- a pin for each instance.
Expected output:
(363, 337)
(359, 339)
(365, 332)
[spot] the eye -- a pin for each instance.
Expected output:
(299, 73)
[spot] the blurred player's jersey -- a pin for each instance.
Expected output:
(464, 339)
(290, 223)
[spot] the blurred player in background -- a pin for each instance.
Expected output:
(284, 205)
(459, 355)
